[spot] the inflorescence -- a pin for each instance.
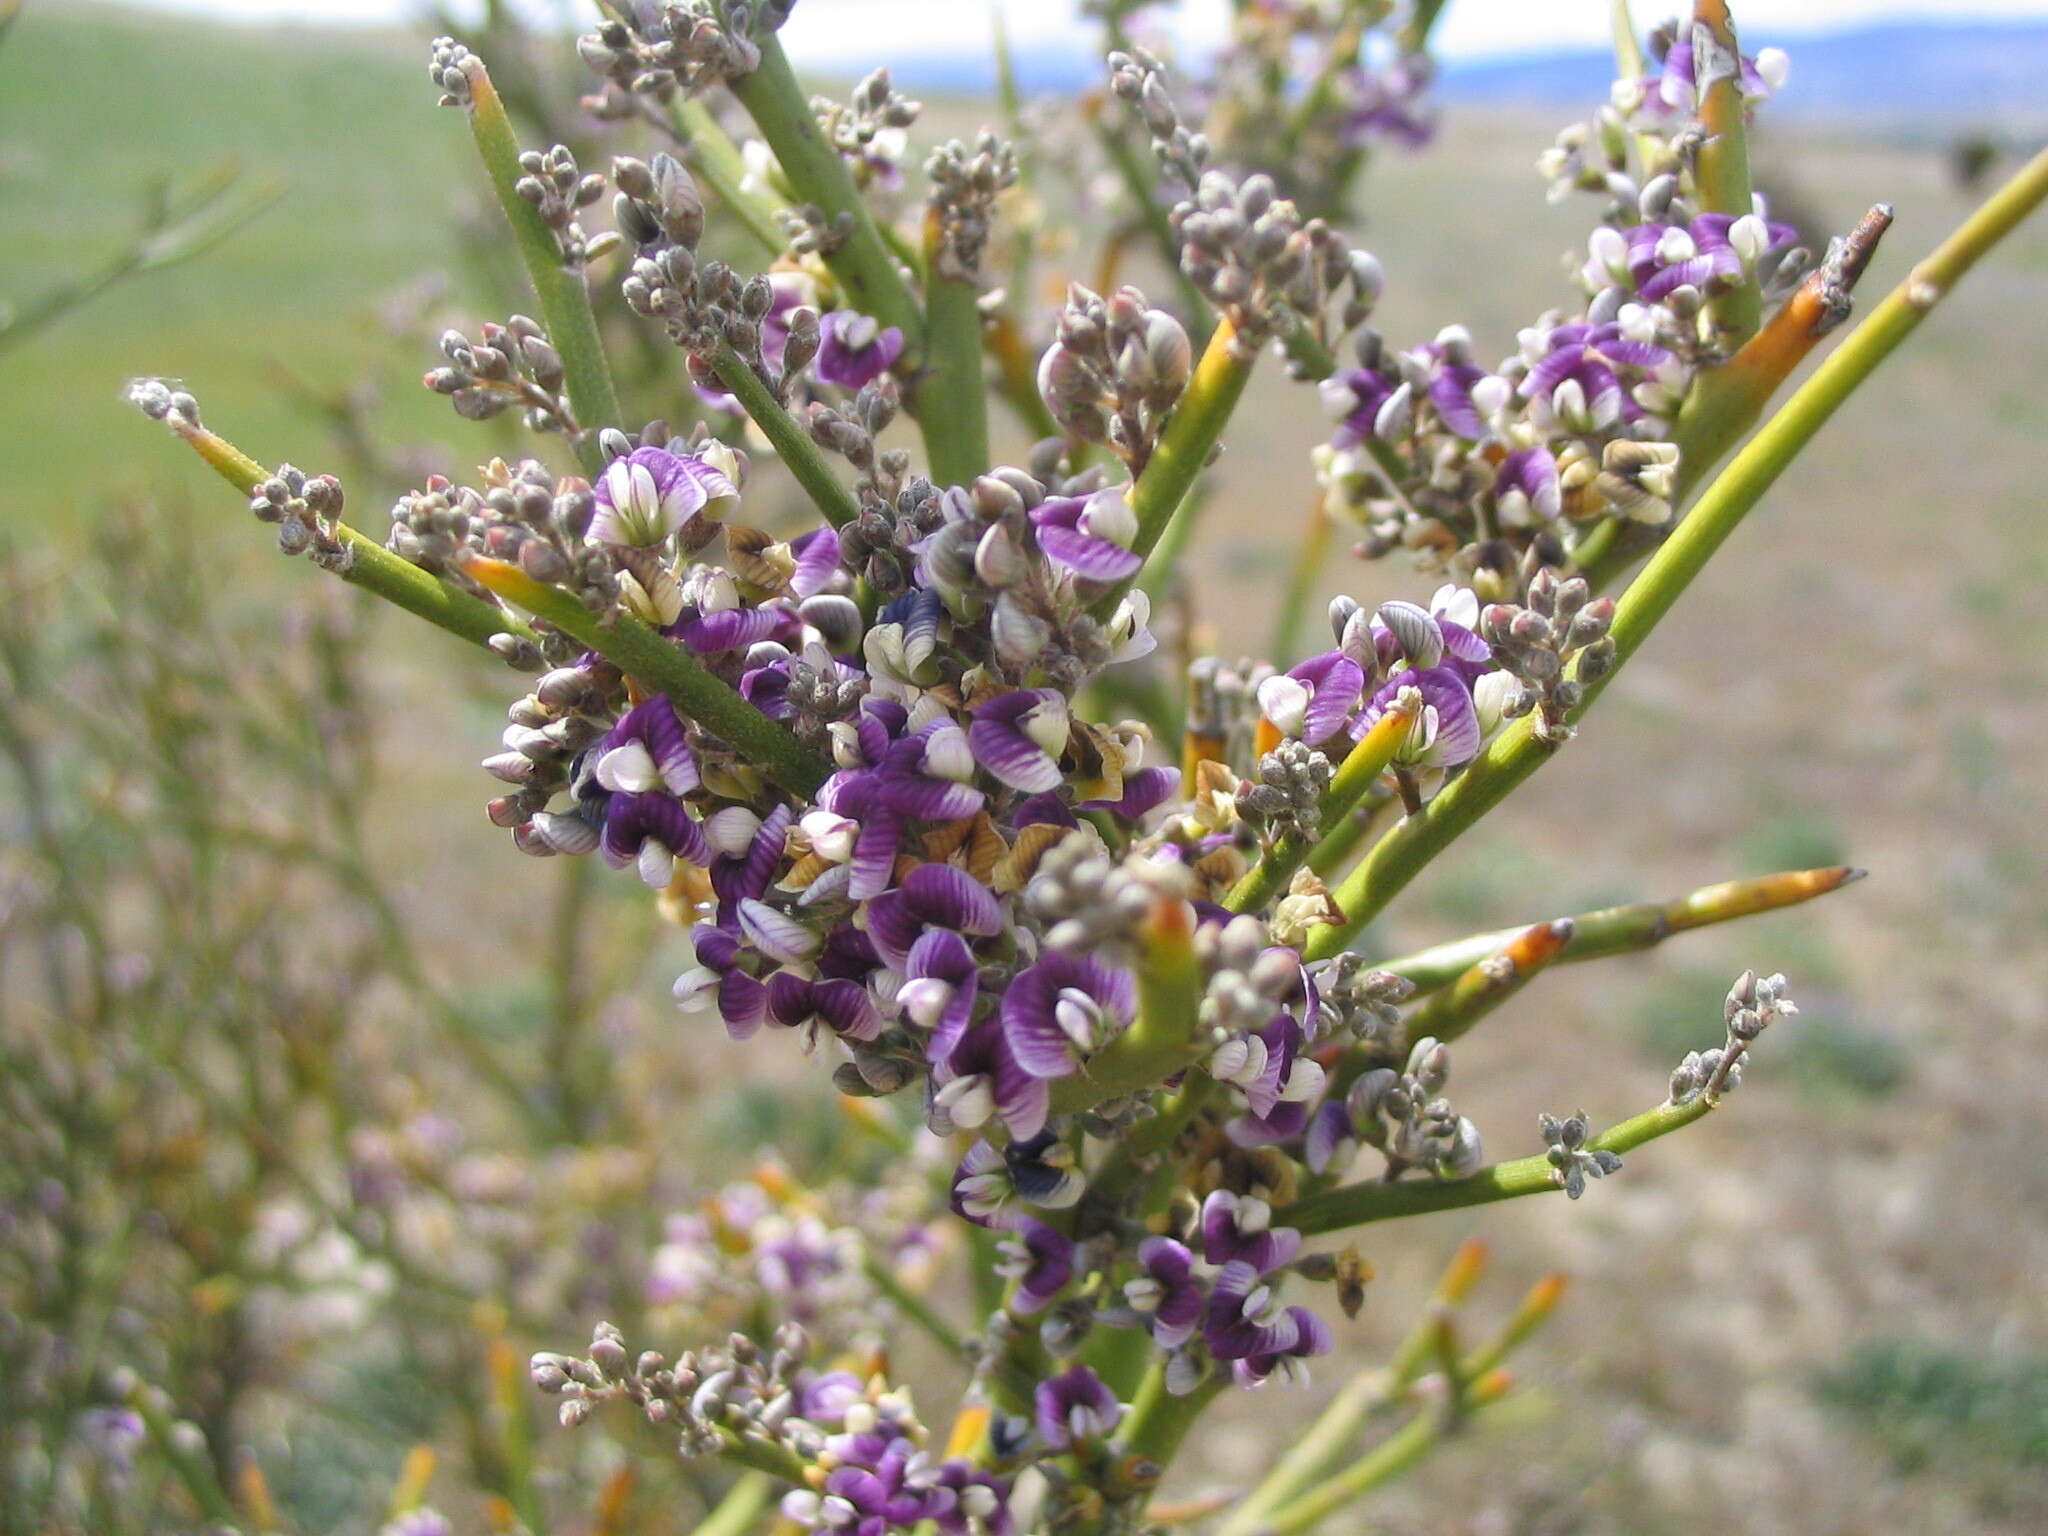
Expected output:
(1089, 966)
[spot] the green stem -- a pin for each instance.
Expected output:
(1159, 1421)
(665, 667)
(1724, 164)
(803, 458)
(1519, 752)
(1489, 982)
(1627, 929)
(717, 162)
(745, 1502)
(1191, 434)
(192, 1467)
(1399, 1453)
(564, 300)
(1361, 767)
(372, 567)
(1533, 1313)
(760, 1456)
(1335, 1427)
(1161, 1041)
(953, 400)
(1629, 63)
(862, 263)
(1355, 1205)
(1341, 843)
(1421, 22)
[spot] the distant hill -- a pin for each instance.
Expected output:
(1955, 73)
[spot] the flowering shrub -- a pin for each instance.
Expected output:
(1105, 972)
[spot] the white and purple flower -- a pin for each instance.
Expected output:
(648, 495)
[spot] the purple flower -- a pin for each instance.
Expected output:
(1267, 1064)
(1037, 1169)
(914, 776)
(732, 629)
(1444, 634)
(112, 1434)
(1144, 792)
(650, 493)
(1578, 374)
(844, 1007)
(646, 749)
(981, 1500)
(822, 1399)
(886, 1493)
(817, 560)
(1311, 1336)
(1390, 103)
(1018, 737)
(1673, 92)
(651, 831)
(1364, 403)
(1712, 251)
(1526, 488)
(1090, 536)
(1312, 700)
(742, 999)
(1063, 1009)
(1283, 1123)
(1332, 1140)
(1166, 1291)
(745, 876)
(1453, 378)
(1041, 1261)
(942, 984)
(854, 350)
(933, 896)
(981, 1077)
(1241, 1320)
(1075, 1408)
(1239, 1229)
(1446, 733)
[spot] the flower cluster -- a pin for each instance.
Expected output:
(871, 763)
(1467, 466)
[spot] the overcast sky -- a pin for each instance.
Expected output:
(860, 31)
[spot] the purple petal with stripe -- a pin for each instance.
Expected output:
(1144, 792)
(952, 898)
(731, 629)
(1335, 681)
(932, 799)
(817, 558)
(1451, 393)
(874, 854)
(742, 1003)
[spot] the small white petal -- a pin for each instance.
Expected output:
(628, 769)
(656, 864)
(732, 830)
(1047, 725)
(832, 836)
(947, 755)
(1284, 701)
